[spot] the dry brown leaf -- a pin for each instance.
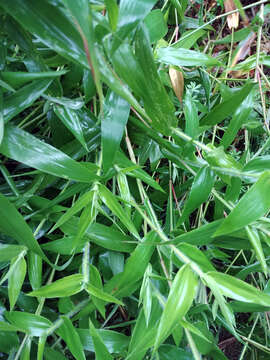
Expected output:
(244, 50)
(232, 19)
(177, 80)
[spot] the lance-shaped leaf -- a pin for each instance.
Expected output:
(184, 57)
(227, 107)
(112, 203)
(180, 298)
(19, 78)
(23, 98)
(31, 324)
(71, 338)
(100, 294)
(114, 120)
(239, 290)
(82, 16)
(66, 286)
(13, 224)
(253, 205)
(71, 120)
(15, 280)
(101, 351)
(27, 149)
(255, 240)
(7, 252)
(200, 190)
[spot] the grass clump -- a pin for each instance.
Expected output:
(134, 197)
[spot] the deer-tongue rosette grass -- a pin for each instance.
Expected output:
(135, 179)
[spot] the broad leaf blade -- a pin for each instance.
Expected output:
(26, 148)
(71, 338)
(184, 57)
(13, 224)
(179, 301)
(31, 324)
(66, 286)
(254, 204)
(16, 280)
(114, 120)
(227, 107)
(71, 120)
(23, 98)
(101, 351)
(238, 289)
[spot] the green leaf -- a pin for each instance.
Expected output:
(72, 121)
(143, 335)
(82, 16)
(258, 165)
(124, 162)
(238, 119)
(23, 98)
(179, 301)
(218, 293)
(227, 107)
(100, 294)
(171, 352)
(137, 263)
(112, 203)
(115, 342)
(195, 255)
(26, 148)
(130, 14)
(34, 270)
(200, 191)
(253, 205)
(19, 78)
(76, 207)
(237, 289)
(157, 103)
(95, 279)
(7, 252)
(112, 9)
(1, 117)
(189, 39)
(71, 338)
(155, 25)
(114, 120)
(191, 115)
(102, 235)
(31, 324)
(13, 224)
(8, 342)
(15, 280)
(101, 351)
(51, 354)
(200, 236)
(218, 158)
(4, 326)
(184, 57)
(66, 286)
(255, 240)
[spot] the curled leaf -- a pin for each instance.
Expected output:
(177, 80)
(232, 19)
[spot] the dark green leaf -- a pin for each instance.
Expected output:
(227, 107)
(26, 148)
